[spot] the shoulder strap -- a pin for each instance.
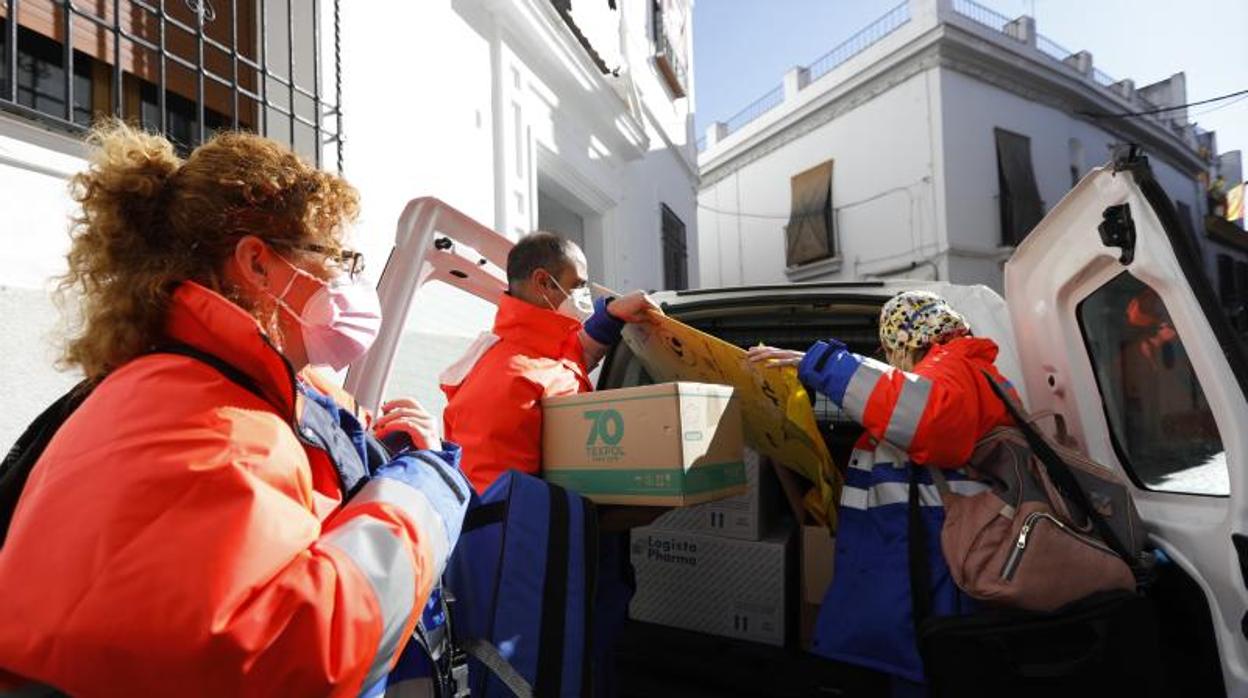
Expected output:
(226, 369)
(1059, 472)
(16, 466)
(493, 660)
(591, 594)
(549, 681)
(920, 569)
(484, 515)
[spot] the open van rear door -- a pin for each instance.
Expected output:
(433, 242)
(1119, 332)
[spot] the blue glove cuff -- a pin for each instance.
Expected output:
(603, 327)
(823, 369)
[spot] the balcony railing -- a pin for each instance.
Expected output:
(1052, 49)
(760, 106)
(1103, 78)
(983, 15)
(873, 33)
(1002, 24)
(856, 44)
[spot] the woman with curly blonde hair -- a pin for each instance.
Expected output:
(215, 518)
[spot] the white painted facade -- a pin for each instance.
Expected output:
(489, 105)
(908, 122)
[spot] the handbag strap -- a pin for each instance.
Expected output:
(494, 661)
(1059, 471)
(920, 567)
(942, 484)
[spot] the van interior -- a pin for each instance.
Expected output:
(653, 660)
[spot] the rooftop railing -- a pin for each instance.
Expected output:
(890, 22)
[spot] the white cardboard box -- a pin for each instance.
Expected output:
(745, 517)
(711, 584)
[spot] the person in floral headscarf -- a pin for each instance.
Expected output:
(928, 406)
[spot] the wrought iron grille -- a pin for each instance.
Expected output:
(187, 68)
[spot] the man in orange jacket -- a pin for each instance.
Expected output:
(548, 335)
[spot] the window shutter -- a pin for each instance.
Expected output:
(809, 234)
(1021, 208)
(675, 252)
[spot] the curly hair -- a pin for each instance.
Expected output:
(150, 221)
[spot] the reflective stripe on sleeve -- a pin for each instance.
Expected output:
(386, 561)
(861, 385)
(911, 403)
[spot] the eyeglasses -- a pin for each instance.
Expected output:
(350, 261)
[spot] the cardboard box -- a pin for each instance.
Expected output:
(672, 444)
(710, 584)
(745, 517)
(818, 557)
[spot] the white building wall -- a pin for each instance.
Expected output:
(972, 109)
(431, 96)
(35, 166)
(501, 103)
(884, 193)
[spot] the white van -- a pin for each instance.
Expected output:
(1108, 321)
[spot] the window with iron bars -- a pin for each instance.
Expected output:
(185, 68)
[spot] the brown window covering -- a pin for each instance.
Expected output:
(1185, 217)
(1021, 207)
(48, 19)
(809, 234)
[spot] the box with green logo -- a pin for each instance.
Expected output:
(672, 444)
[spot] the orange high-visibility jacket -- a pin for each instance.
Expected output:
(178, 537)
(936, 414)
(495, 412)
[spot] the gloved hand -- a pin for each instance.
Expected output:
(602, 326)
(435, 474)
(816, 369)
(611, 314)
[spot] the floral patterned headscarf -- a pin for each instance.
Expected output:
(919, 319)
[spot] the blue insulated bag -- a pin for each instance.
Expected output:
(522, 585)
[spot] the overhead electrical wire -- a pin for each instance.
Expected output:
(772, 216)
(1162, 110)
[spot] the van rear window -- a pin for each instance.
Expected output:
(1161, 423)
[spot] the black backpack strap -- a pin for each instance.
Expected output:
(226, 369)
(549, 681)
(920, 565)
(16, 466)
(1059, 472)
(484, 515)
(591, 594)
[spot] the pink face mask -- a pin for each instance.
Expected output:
(340, 321)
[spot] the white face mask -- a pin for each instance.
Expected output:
(339, 322)
(578, 304)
